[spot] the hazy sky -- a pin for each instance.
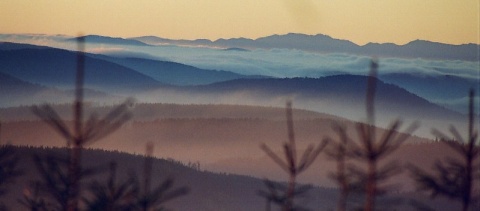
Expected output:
(361, 21)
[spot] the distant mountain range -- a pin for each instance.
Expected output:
(107, 40)
(313, 43)
(326, 44)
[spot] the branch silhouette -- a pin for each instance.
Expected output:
(372, 151)
(32, 199)
(9, 168)
(369, 150)
(454, 178)
(112, 196)
(83, 133)
(155, 199)
(292, 165)
(338, 150)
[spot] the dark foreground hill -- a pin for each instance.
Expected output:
(208, 191)
(219, 138)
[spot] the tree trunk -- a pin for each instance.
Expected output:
(290, 194)
(371, 186)
(74, 177)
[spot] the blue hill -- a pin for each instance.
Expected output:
(108, 40)
(344, 91)
(56, 67)
(175, 73)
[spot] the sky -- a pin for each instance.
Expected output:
(360, 21)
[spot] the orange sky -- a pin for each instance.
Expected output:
(360, 21)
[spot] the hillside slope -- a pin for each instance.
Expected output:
(337, 95)
(208, 191)
(56, 67)
(174, 73)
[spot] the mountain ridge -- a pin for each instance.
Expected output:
(341, 90)
(150, 71)
(15, 92)
(326, 44)
(174, 73)
(107, 40)
(56, 67)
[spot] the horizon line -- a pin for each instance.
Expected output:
(239, 37)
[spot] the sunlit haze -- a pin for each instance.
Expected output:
(361, 22)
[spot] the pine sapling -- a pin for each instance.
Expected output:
(371, 150)
(84, 132)
(292, 165)
(454, 178)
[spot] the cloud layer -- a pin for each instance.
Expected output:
(273, 62)
(295, 63)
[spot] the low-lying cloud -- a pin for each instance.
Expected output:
(269, 62)
(295, 63)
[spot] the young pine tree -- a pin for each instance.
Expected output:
(338, 150)
(148, 199)
(292, 165)
(68, 172)
(454, 177)
(372, 149)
